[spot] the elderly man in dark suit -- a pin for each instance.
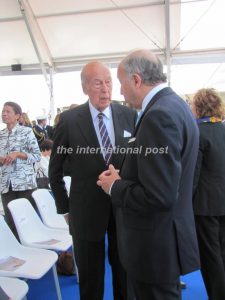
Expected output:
(152, 195)
(89, 134)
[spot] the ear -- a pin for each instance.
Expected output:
(137, 80)
(84, 88)
(18, 116)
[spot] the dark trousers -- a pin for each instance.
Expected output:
(8, 197)
(211, 240)
(147, 291)
(90, 259)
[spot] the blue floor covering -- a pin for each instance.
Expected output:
(43, 289)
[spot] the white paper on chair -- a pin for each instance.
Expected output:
(48, 242)
(10, 263)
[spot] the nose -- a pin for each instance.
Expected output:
(105, 87)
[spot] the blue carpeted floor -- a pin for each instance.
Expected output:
(44, 288)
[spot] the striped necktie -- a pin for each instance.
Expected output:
(106, 143)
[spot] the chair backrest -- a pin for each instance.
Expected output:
(67, 180)
(8, 242)
(28, 224)
(47, 209)
(15, 288)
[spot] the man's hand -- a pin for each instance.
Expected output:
(107, 178)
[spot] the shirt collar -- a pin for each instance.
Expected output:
(14, 128)
(151, 94)
(95, 112)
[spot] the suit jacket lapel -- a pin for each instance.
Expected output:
(118, 126)
(86, 126)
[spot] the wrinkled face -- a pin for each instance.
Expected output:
(127, 88)
(9, 117)
(98, 86)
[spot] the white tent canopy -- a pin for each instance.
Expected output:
(67, 33)
(54, 36)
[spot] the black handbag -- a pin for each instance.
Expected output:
(42, 180)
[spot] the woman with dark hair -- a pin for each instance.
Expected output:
(209, 190)
(19, 150)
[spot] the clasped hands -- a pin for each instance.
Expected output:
(8, 159)
(107, 178)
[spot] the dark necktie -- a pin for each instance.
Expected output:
(106, 143)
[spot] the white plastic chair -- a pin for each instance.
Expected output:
(47, 209)
(37, 262)
(67, 180)
(15, 288)
(32, 232)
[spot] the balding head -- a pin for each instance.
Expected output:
(97, 84)
(91, 69)
(146, 64)
(144, 53)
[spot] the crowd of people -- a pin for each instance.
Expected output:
(163, 211)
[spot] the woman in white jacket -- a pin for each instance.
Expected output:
(19, 150)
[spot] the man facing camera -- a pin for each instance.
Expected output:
(152, 196)
(88, 134)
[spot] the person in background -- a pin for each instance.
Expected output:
(152, 195)
(73, 105)
(24, 120)
(41, 167)
(209, 190)
(40, 131)
(96, 127)
(34, 123)
(56, 121)
(19, 150)
(50, 131)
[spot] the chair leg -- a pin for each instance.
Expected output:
(56, 281)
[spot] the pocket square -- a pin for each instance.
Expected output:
(126, 133)
(132, 140)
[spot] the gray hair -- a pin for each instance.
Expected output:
(150, 71)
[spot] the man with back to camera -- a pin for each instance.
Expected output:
(81, 133)
(152, 196)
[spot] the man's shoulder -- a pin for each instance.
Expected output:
(70, 113)
(123, 108)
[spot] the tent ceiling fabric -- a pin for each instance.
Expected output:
(69, 33)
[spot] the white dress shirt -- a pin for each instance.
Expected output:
(108, 120)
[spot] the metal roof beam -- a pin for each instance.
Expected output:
(99, 10)
(178, 57)
(167, 36)
(37, 38)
